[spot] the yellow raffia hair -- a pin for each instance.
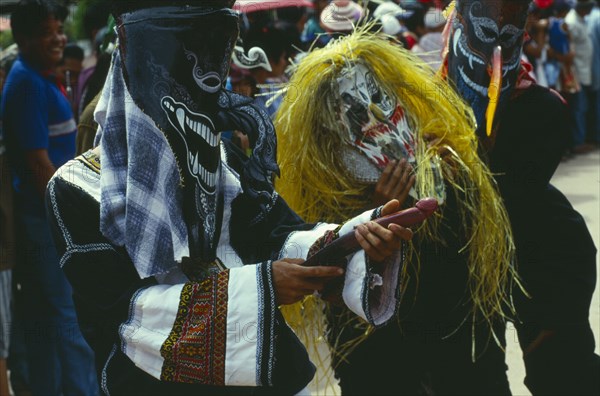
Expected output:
(317, 185)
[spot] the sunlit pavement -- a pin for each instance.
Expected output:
(579, 179)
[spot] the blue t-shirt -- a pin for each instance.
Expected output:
(35, 115)
(558, 38)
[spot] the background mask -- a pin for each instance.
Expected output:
(484, 54)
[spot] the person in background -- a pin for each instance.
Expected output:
(87, 126)
(413, 20)
(594, 112)
(583, 49)
(68, 71)
(278, 40)
(388, 15)
(534, 47)
(297, 16)
(430, 45)
(7, 255)
(559, 68)
(243, 83)
(94, 20)
(39, 131)
(340, 17)
(313, 32)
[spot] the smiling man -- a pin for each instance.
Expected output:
(40, 135)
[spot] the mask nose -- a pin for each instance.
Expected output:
(377, 113)
(494, 89)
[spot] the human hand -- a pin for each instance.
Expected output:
(395, 183)
(378, 242)
(292, 281)
(434, 141)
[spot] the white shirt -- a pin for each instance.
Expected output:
(582, 45)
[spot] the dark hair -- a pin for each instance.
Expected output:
(73, 51)
(96, 81)
(95, 17)
(291, 14)
(414, 16)
(275, 38)
(561, 6)
(29, 15)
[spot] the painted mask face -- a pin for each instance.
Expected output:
(176, 61)
(375, 123)
(485, 54)
(376, 127)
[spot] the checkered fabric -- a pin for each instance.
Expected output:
(140, 200)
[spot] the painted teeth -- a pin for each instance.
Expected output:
(455, 39)
(209, 178)
(195, 164)
(205, 132)
(202, 129)
(483, 91)
(180, 117)
(168, 105)
(460, 42)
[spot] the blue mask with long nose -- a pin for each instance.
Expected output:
(484, 54)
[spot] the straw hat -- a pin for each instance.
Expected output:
(390, 25)
(434, 18)
(387, 8)
(341, 15)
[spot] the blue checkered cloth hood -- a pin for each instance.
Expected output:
(140, 199)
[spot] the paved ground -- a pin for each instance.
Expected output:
(579, 180)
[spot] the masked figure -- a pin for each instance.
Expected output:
(486, 54)
(353, 108)
(169, 243)
(527, 134)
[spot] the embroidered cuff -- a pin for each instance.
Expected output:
(298, 243)
(372, 296)
(351, 224)
(219, 331)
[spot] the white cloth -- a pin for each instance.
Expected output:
(429, 49)
(582, 45)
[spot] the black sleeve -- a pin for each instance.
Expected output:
(255, 235)
(533, 136)
(102, 276)
(104, 283)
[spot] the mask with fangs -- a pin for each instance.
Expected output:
(484, 54)
(175, 63)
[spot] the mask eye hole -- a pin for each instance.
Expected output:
(484, 28)
(508, 40)
(489, 34)
(376, 98)
(212, 82)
